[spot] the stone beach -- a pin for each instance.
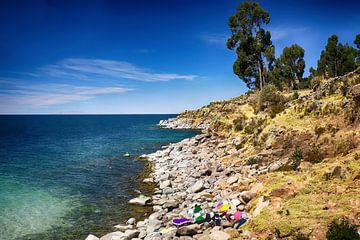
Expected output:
(189, 172)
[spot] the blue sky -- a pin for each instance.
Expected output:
(142, 56)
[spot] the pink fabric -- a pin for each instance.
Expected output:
(237, 215)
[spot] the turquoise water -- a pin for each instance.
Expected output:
(62, 177)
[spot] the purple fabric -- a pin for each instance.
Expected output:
(180, 221)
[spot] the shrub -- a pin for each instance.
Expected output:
(269, 98)
(239, 123)
(319, 131)
(251, 161)
(314, 155)
(296, 158)
(342, 230)
(301, 236)
(295, 95)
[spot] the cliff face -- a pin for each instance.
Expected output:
(310, 142)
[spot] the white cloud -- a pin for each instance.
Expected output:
(88, 69)
(44, 95)
(278, 33)
(215, 38)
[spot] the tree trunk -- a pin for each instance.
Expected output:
(260, 75)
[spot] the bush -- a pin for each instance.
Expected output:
(314, 155)
(301, 236)
(296, 158)
(319, 131)
(295, 95)
(251, 161)
(342, 230)
(239, 123)
(271, 100)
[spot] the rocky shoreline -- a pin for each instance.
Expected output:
(189, 172)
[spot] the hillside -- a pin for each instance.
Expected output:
(305, 147)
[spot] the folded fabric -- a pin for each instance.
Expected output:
(180, 221)
(239, 223)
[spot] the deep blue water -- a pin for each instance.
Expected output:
(64, 176)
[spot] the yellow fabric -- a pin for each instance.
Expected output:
(224, 207)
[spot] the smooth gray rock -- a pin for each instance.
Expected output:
(123, 227)
(188, 230)
(112, 236)
(197, 187)
(91, 237)
(131, 221)
(141, 200)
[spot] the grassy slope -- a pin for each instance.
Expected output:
(308, 199)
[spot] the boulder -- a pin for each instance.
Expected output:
(235, 202)
(232, 179)
(112, 236)
(355, 90)
(246, 196)
(131, 221)
(154, 224)
(164, 184)
(197, 187)
(188, 230)
(123, 227)
(261, 204)
(130, 234)
(91, 237)
(171, 204)
(141, 200)
(219, 235)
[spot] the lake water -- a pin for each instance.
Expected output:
(64, 176)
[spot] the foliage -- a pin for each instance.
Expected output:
(319, 131)
(342, 230)
(251, 161)
(271, 100)
(295, 95)
(357, 43)
(296, 158)
(289, 67)
(239, 123)
(252, 43)
(301, 236)
(337, 59)
(314, 155)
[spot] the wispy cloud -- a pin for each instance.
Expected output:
(44, 95)
(278, 33)
(87, 69)
(215, 38)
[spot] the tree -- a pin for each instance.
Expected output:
(357, 43)
(332, 56)
(337, 59)
(293, 65)
(289, 68)
(252, 44)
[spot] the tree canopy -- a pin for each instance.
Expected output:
(252, 43)
(289, 67)
(336, 59)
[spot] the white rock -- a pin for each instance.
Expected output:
(141, 200)
(260, 206)
(112, 236)
(130, 234)
(91, 237)
(164, 184)
(235, 202)
(219, 235)
(123, 227)
(232, 179)
(197, 187)
(131, 221)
